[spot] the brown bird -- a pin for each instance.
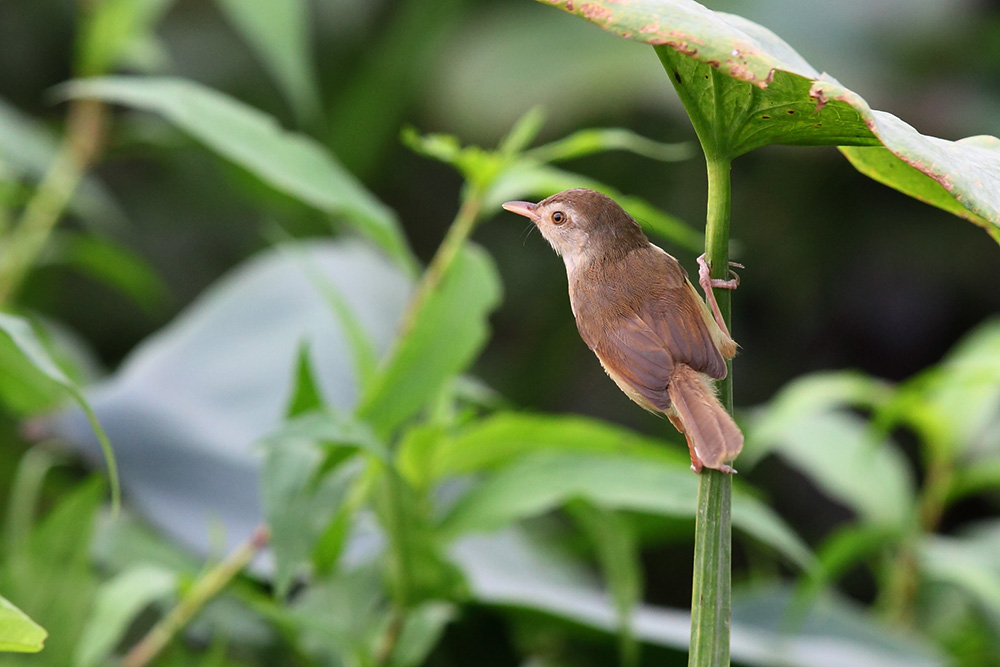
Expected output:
(637, 310)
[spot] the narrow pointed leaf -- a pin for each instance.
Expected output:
(542, 482)
(292, 163)
(448, 332)
(17, 334)
(18, 633)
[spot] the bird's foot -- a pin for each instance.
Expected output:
(707, 282)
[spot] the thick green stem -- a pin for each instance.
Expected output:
(711, 588)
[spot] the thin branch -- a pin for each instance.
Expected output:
(200, 593)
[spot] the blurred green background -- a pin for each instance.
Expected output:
(841, 272)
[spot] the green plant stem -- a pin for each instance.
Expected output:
(25, 242)
(711, 588)
(458, 233)
(200, 593)
(902, 571)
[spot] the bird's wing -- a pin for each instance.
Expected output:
(640, 334)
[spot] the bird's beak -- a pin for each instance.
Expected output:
(525, 208)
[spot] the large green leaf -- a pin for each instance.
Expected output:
(509, 570)
(448, 331)
(18, 340)
(541, 482)
(292, 163)
(18, 632)
(279, 32)
(811, 426)
(501, 438)
(744, 88)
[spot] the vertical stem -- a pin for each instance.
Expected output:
(25, 242)
(711, 588)
(458, 233)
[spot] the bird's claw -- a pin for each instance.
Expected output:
(707, 282)
(705, 270)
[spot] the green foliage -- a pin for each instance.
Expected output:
(744, 88)
(278, 32)
(33, 371)
(402, 505)
(292, 163)
(18, 632)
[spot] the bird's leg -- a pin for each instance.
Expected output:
(707, 282)
(696, 462)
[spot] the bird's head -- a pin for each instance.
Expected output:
(582, 224)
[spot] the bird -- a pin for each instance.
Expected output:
(636, 309)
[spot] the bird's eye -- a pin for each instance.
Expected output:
(558, 217)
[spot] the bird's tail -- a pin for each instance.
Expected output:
(713, 436)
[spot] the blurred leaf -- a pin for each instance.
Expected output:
(507, 176)
(189, 404)
(117, 31)
(16, 333)
(600, 140)
(840, 551)
(362, 348)
(953, 404)
(18, 632)
(968, 562)
(110, 263)
(541, 482)
(809, 425)
(745, 88)
(28, 148)
(832, 631)
(618, 555)
(301, 493)
(983, 475)
(23, 389)
(522, 133)
(508, 570)
(448, 332)
(292, 163)
(25, 494)
(339, 617)
(51, 577)
(119, 601)
(417, 452)
(422, 629)
(306, 394)
(477, 166)
(504, 437)
(418, 567)
(279, 33)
